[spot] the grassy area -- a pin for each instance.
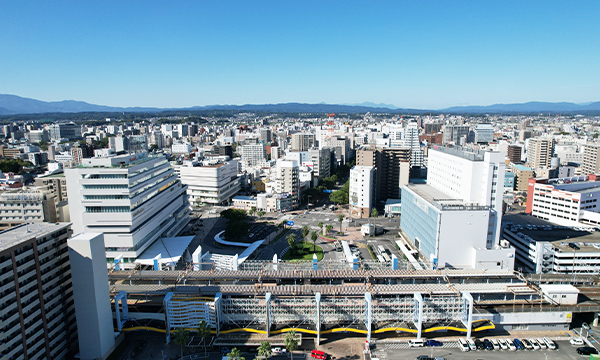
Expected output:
(371, 252)
(303, 251)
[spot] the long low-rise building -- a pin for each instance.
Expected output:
(543, 247)
(568, 201)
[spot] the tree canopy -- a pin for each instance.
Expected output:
(234, 214)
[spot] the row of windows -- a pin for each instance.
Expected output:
(104, 176)
(107, 209)
(104, 187)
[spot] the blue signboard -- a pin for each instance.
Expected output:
(327, 191)
(289, 223)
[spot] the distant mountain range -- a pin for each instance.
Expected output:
(12, 104)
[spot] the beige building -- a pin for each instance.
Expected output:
(26, 206)
(302, 141)
(591, 159)
(539, 152)
(522, 176)
(55, 183)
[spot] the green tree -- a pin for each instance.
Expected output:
(235, 354)
(314, 237)
(234, 214)
(43, 145)
(320, 225)
(203, 332)
(328, 228)
(305, 230)
(340, 219)
(291, 342)
(291, 240)
(260, 214)
(281, 225)
(374, 214)
(182, 336)
(252, 211)
(236, 230)
(341, 196)
(265, 349)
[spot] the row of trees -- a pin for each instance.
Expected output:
(181, 337)
(13, 165)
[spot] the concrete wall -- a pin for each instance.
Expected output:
(459, 233)
(91, 295)
(559, 320)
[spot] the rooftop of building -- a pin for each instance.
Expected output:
(559, 236)
(15, 235)
(243, 197)
(60, 175)
(469, 154)
(442, 201)
(521, 167)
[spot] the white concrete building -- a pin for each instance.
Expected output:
(181, 148)
(288, 180)
(211, 184)
(91, 296)
(253, 154)
(362, 190)
(132, 199)
(473, 177)
(411, 139)
(450, 232)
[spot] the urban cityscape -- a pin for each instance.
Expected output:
(288, 227)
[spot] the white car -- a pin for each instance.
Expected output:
(511, 345)
(276, 350)
(542, 343)
(471, 344)
(503, 344)
(550, 343)
(534, 344)
(495, 344)
(576, 341)
(463, 345)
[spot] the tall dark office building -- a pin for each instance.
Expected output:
(393, 168)
(514, 153)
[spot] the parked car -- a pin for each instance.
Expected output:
(488, 344)
(551, 344)
(472, 345)
(503, 344)
(433, 343)
(527, 344)
(585, 326)
(542, 343)
(317, 354)
(463, 345)
(518, 344)
(587, 350)
(511, 345)
(535, 344)
(423, 357)
(479, 344)
(495, 344)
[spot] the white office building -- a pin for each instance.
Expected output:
(287, 180)
(253, 154)
(181, 148)
(484, 133)
(132, 199)
(472, 176)
(411, 139)
(210, 184)
(362, 190)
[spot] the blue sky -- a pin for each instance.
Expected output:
(416, 54)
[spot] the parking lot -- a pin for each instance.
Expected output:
(450, 350)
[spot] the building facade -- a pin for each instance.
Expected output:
(302, 141)
(212, 184)
(132, 199)
(362, 191)
(591, 159)
(539, 152)
(36, 297)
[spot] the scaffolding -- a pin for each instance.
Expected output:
(243, 311)
(342, 310)
(188, 312)
(293, 310)
(392, 309)
(442, 308)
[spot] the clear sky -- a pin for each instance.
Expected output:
(416, 54)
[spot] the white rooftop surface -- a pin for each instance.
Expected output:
(171, 249)
(559, 289)
(244, 255)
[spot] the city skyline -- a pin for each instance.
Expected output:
(421, 55)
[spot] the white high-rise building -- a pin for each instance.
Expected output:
(288, 180)
(362, 190)
(411, 136)
(212, 184)
(253, 154)
(474, 177)
(132, 199)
